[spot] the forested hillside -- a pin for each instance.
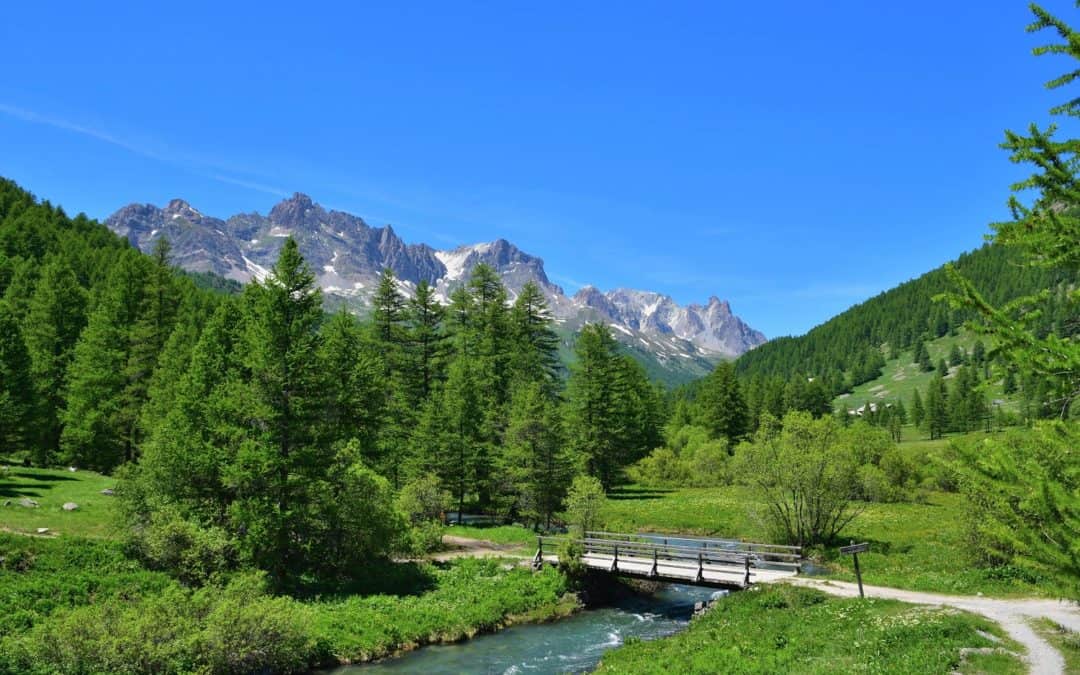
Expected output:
(852, 347)
(263, 431)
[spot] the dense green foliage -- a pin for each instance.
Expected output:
(790, 629)
(79, 606)
(848, 349)
(1026, 488)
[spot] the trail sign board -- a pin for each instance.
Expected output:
(856, 548)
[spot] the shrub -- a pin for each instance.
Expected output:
(876, 486)
(193, 554)
(584, 503)
(423, 499)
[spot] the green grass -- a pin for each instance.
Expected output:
(51, 488)
(1064, 640)
(912, 545)
(496, 534)
(789, 629)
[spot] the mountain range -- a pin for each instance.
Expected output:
(347, 256)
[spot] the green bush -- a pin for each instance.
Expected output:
(876, 486)
(193, 554)
(238, 629)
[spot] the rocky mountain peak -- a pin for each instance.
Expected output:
(348, 256)
(295, 210)
(721, 306)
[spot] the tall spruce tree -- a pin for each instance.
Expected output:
(425, 343)
(99, 419)
(16, 387)
(534, 345)
(721, 408)
(595, 428)
(281, 467)
(55, 317)
(536, 462)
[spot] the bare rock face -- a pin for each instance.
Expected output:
(347, 255)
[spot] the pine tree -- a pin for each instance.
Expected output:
(1008, 384)
(282, 465)
(459, 448)
(537, 464)
(936, 420)
(918, 412)
(99, 419)
(721, 408)
(389, 338)
(534, 345)
(593, 423)
(148, 337)
(426, 343)
(922, 356)
(55, 318)
(16, 387)
(353, 390)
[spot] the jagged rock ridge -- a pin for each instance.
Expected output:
(347, 255)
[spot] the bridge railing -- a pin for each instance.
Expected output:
(699, 555)
(761, 555)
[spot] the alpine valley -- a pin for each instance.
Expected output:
(674, 343)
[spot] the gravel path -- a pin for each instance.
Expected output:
(1012, 615)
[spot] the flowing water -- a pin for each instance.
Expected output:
(571, 645)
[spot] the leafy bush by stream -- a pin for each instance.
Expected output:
(76, 606)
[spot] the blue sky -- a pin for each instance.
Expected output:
(792, 157)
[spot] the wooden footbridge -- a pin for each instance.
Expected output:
(718, 563)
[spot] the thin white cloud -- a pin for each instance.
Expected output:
(141, 149)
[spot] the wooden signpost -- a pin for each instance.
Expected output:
(855, 550)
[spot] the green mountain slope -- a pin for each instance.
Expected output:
(851, 348)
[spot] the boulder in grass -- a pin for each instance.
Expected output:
(72, 469)
(108, 492)
(43, 530)
(28, 503)
(70, 506)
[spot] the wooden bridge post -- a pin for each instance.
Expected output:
(746, 580)
(615, 561)
(653, 572)
(700, 568)
(538, 560)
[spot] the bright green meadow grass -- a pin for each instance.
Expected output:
(52, 488)
(785, 629)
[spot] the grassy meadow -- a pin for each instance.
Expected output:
(788, 629)
(51, 489)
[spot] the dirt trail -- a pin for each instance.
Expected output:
(1012, 615)
(463, 547)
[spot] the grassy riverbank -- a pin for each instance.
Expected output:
(789, 629)
(72, 601)
(78, 605)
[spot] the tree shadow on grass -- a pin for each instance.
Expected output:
(44, 478)
(379, 577)
(630, 493)
(15, 491)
